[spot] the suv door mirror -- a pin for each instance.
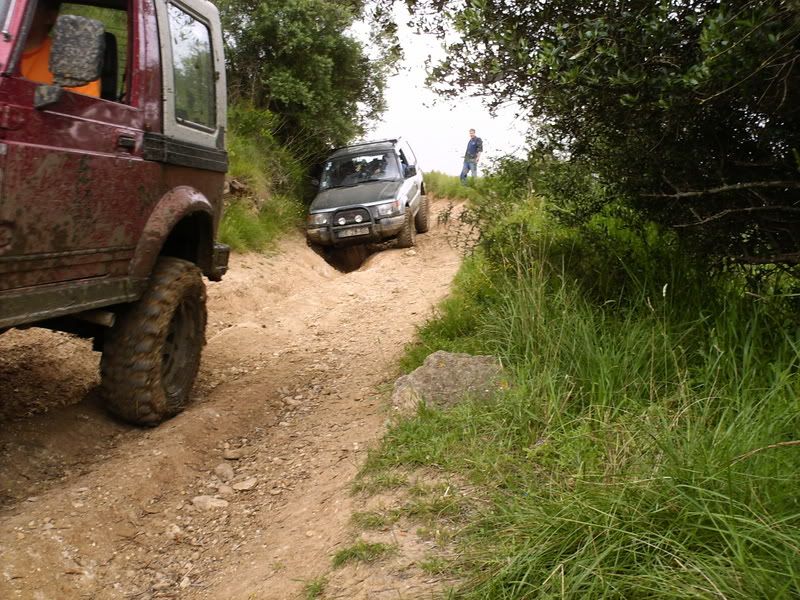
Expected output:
(76, 57)
(411, 170)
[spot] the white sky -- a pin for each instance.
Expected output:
(436, 128)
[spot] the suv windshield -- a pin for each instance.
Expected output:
(353, 169)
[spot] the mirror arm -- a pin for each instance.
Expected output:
(46, 95)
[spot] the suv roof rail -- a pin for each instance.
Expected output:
(371, 142)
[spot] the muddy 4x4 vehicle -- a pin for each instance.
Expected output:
(369, 193)
(109, 205)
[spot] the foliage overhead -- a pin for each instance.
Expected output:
(297, 59)
(688, 109)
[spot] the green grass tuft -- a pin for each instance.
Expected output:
(363, 551)
(374, 520)
(315, 588)
(379, 482)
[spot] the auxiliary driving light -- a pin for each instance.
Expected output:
(341, 221)
(359, 218)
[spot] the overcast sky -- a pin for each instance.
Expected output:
(438, 129)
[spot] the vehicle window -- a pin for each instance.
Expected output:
(352, 170)
(115, 23)
(409, 153)
(193, 68)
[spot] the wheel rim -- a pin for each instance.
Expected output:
(180, 348)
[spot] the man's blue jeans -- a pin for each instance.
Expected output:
(469, 165)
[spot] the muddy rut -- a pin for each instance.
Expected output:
(247, 493)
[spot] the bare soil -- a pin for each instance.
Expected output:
(291, 394)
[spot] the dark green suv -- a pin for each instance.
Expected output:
(369, 192)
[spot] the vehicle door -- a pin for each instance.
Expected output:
(76, 192)
(411, 184)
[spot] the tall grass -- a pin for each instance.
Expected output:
(646, 450)
(449, 186)
(246, 227)
(272, 178)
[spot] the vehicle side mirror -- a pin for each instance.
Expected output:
(315, 182)
(411, 170)
(76, 57)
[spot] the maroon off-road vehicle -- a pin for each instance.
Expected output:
(109, 205)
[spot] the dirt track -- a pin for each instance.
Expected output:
(291, 393)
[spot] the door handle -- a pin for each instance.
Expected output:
(126, 141)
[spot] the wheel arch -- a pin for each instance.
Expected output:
(181, 226)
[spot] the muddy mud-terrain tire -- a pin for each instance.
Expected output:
(408, 236)
(422, 220)
(152, 354)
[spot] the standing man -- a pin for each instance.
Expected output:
(472, 156)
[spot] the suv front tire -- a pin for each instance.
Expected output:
(408, 236)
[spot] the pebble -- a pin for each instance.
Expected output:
(174, 532)
(234, 453)
(224, 471)
(411, 252)
(225, 490)
(185, 582)
(209, 502)
(247, 484)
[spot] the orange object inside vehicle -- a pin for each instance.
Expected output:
(36, 68)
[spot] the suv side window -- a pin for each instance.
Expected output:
(193, 69)
(406, 150)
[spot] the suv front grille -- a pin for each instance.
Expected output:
(350, 217)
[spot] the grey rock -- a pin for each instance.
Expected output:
(235, 453)
(247, 484)
(209, 502)
(224, 471)
(447, 378)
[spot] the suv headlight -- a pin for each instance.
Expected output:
(318, 219)
(390, 208)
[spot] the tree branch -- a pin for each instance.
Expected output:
(792, 258)
(727, 188)
(730, 211)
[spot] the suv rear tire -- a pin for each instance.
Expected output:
(408, 236)
(152, 354)
(422, 220)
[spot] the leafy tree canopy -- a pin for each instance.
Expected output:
(297, 59)
(689, 109)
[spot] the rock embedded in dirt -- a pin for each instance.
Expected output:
(447, 378)
(224, 471)
(225, 490)
(247, 484)
(235, 453)
(209, 502)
